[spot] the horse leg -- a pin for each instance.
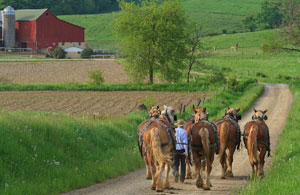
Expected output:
(166, 184)
(253, 171)
(188, 174)
(152, 169)
(230, 160)
(261, 162)
(148, 171)
(208, 171)
(197, 161)
(160, 167)
(223, 164)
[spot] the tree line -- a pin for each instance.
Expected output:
(65, 7)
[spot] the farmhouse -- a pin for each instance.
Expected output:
(37, 29)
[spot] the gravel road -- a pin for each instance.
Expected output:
(277, 98)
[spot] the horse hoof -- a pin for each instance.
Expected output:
(188, 177)
(153, 188)
(159, 190)
(199, 184)
(223, 177)
(149, 177)
(205, 187)
(229, 174)
(166, 185)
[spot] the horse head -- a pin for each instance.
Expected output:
(199, 114)
(260, 115)
(233, 113)
(154, 112)
(168, 113)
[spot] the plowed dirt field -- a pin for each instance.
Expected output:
(91, 102)
(61, 71)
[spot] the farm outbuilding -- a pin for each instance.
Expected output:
(38, 29)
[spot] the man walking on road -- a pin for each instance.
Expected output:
(181, 151)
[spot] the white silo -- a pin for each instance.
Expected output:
(9, 27)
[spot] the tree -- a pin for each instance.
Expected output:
(152, 37)
(291, 30)
(270, 15)
(59, 53)
(194, 45)
(250, 22)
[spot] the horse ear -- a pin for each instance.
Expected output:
(228, 107)
(254, 110)
(157, 106)
(165, 107)
(150, 107)
(265, 111)
(194, 109)
(204, 109)
(238, 109)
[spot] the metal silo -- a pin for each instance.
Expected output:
(9, 27)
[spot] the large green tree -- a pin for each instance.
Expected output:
(152, 38)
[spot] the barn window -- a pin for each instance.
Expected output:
(39, 43)
(53, 43)
(46, 43)
(47, 14)
(62, 43)
(79, 43)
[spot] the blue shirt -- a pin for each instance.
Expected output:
(181, 137)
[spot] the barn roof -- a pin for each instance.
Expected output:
(29, 14)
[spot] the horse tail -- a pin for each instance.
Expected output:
(252, 144)
(156, 148)
(204, 134)
(224, 133)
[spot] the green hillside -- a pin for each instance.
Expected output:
(215, 15)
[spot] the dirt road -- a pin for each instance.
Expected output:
(277, 98)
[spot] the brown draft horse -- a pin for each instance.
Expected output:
(256, 139)
(188, 127)
(154, 114)
(157, 138)
(230, 135)
(203, 145)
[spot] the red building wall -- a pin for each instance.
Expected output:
(51, 30)
(25, 32)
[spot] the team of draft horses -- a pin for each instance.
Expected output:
(157, 143)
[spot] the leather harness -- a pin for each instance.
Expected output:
(258, 140)
(140, 136)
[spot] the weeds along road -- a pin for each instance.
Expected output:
(277, 98)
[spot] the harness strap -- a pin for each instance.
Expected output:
(238, 136)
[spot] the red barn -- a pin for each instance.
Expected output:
(40, 29)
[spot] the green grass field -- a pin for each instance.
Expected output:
(49, 153)
(215, 15)
(249, 61)
(283, 178)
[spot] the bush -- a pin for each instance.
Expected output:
(59, 53)
(224, 31)
(96, 77)
(260, 74)
(232, 83)
(148, 101)
(87, 52)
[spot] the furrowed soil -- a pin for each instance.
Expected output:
(277, 98)
(61, 71)
(91, 102)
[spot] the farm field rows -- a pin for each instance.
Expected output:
(96, 103)
(61, 71)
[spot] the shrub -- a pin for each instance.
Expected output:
(260, 74)
(96, 77)
(59, 53)
(224, 31)
(87, 52)
(148, 101)
(232, 83)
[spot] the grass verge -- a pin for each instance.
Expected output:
(283, 177)
(201, 85)
(46, 153)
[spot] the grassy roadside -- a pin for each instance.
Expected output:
(203, 84)
(283, 177)
(46, 153)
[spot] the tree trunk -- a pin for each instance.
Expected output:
(151, 74)
(189, 72)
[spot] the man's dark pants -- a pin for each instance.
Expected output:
(179, 160)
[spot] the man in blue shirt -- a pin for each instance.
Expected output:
(181, 151)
